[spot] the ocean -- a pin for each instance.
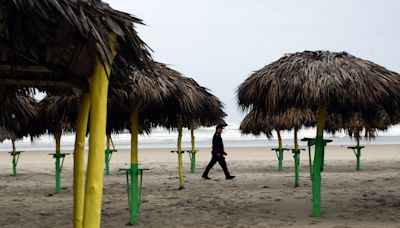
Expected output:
(162, 138)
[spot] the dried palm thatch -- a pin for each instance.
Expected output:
(56, 42)
(164, 98)
(357, 123)
(347, 84)
(17, 110)
(134, 88)
(192, 106)
(257, 122)
(212, 111)
(57, 114)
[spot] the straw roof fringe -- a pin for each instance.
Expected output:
(257, 122)
(306, 79)
(17, 111)
(55, 42)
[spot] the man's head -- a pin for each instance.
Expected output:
(219, 128)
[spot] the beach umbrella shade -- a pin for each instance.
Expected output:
(57, 115)
(195, 107)
(140, 102)
(256, 122)
(356, 124)
(323, 81)
(17, 110)
(61, 44)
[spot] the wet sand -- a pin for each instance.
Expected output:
(260, 196)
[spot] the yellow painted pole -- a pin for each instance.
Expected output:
(57, 137)
(79, 159)
(357, 134)
(192, 139)
(13, 146)
(98, 117)
(95, 169)
(134, 188)
(279, 138)
(296, 141)
(134, 136)
(280, 151)
(180, 162)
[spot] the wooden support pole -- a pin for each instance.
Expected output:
(79, 159)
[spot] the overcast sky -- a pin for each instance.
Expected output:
(220, 42)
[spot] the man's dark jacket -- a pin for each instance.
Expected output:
(217, 145)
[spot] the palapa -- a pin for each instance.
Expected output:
(55, 42)
(17, 111)
(50, 44)
(329, 82)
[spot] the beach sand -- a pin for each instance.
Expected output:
(260, 196)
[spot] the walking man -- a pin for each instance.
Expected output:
(217, 154)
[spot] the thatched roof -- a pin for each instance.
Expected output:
(347, 85)
(211, 110)
(17, 110)
(256, 122)
(57, 114)
(132, 87)
(357, 123)
(56, 42)
(192, 104)
(165, 98)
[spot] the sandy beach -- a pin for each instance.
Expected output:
(260, 196)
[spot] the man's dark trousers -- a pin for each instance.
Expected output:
(222, 163)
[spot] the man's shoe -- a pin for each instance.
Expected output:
(206, 177)
(230, 177)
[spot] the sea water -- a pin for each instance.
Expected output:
(162, 138)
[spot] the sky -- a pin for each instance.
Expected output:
(219, 43)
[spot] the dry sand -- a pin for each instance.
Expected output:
(260, 196)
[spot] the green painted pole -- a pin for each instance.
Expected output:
(58, 174)
(280, 151)
(57, 136)
(180, 162)
(107, 154)
(134, 191)
(358, 153)
(296, 168)
(193, 160)
(280, 159)
(296, 160)
(134, 204)
(14, 161)
(318, 161)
